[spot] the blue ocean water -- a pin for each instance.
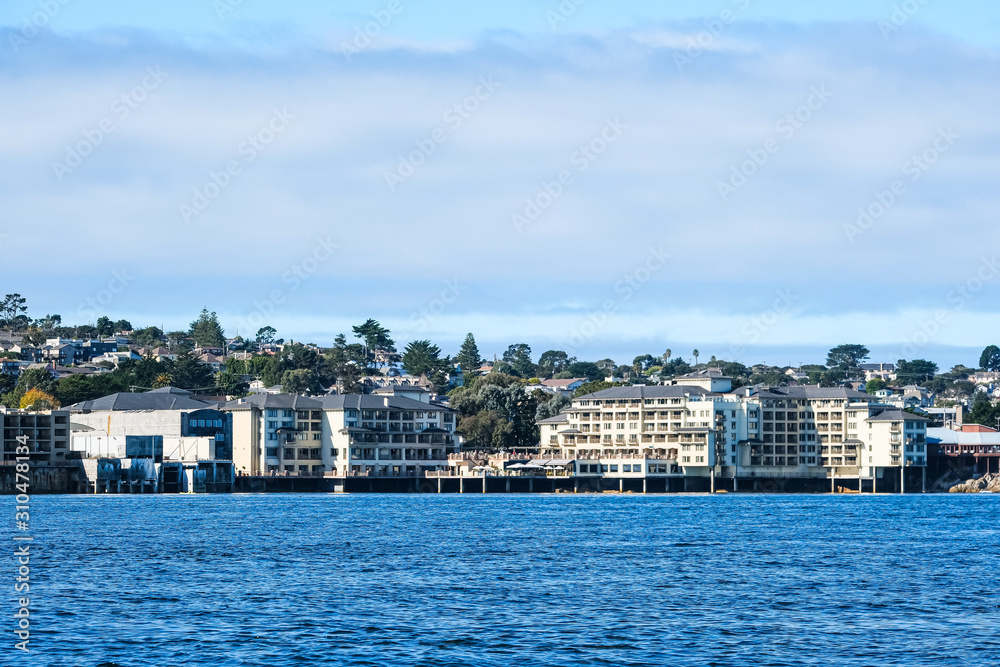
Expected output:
(512, 579)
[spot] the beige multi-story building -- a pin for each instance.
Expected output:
(399, 432)
(836, 430)
(787, 431)
(662, 429)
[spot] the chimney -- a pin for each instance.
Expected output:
(958, 416)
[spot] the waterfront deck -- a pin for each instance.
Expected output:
(569, 484)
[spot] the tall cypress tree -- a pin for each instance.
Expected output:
(206, 330)
(468, 356)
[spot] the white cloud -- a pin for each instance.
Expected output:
(656, 185)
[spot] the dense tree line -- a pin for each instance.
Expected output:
(496, 409)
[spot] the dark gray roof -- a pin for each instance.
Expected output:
(370, 402)
(333, 402)
(558, 419)
(812, 393)
(714, 373)
(896, 416)
(274, 402)
(171, 390)
(658, 391)
(147, 401)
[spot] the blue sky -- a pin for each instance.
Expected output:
(760, 180)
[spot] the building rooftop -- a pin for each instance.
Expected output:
(168, 398)
(561, 383)
(642, 391)
(896, 416)
(713, 373)
(331, 402)
(947, 436)
(558, 419)
(812, 393)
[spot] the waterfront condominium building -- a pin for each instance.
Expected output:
(770, 432)
(277, 433)
(830, 431)
(649, 429)
(386, 434)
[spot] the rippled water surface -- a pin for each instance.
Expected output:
(510, 579)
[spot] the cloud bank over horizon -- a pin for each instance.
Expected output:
(780, 187)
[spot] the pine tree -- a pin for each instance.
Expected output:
(468, 357)
(206, 330)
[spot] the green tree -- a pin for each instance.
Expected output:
(423, 358)
(265, 335)
(695, 354)
(847, 357)
(11, 307)
(49, 322)
(984, 411)
(675, 367)
(519, 358)
(486, 430)
(7, 384)
(875, 384)
(345, 364)
(77, 388)
(300, 381)
(963, 388)
(549, 405)
(147, 337)
(34, 336)
(553, 362)
(643, 363)
(122, 325)
(206, 330)
(231, 384)
(33, 378)
(989, 360)
(915, 372)
(189, 373)
(958, 372)
(514, 423)
(104, 325)
(375, 336)
(586, 369)
(468, 356)
(607, 366)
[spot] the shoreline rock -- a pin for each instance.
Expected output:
(988, 483)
